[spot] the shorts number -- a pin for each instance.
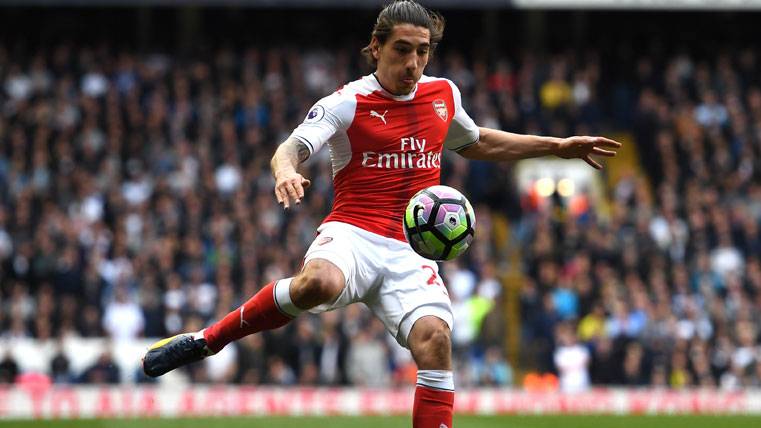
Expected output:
(433, 279)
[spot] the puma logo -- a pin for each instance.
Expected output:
(242, 321)
(382, 117)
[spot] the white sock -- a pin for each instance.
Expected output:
(438, 379)
(283, 298)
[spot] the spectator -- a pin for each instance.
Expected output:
(634, 369)
(605, 367)
(495, 371)
(572, 361)
(123, 317)
(225, 368)
(332, 359)
(103, 371)
(592, 326)
(366, 363)
(60, 367)
(251, 360)
(279, 373)
(8, 369)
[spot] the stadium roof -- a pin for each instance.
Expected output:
(459, 4)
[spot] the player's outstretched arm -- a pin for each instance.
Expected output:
(496, 145)
(289, 184)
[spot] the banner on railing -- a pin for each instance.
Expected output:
(126, 401)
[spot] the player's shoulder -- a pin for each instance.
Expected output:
(365, 85)
(432, 79)
(425, 79)
(338, 98)
(341, 103)
(346, 95)
(441, 82)
(348, 92)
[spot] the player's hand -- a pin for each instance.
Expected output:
(584, 147)
(290, 186)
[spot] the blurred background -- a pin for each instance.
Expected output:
(136, 200)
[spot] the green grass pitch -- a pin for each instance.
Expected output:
(404, 422)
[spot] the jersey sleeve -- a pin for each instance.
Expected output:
(462, 131)
(328, 116)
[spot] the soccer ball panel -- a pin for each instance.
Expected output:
(451, 220)
(445, 192)
(422, 205)
(461, 246)
(430, 246)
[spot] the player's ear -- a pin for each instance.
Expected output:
(375, 48)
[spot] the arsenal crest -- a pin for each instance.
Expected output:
(440, 107)
(324, 240)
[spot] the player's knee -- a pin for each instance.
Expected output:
(432, 335)
(431, 345)
(318, 283)
(311, 284)
(439, 339)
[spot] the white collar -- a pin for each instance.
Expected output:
(387, 94)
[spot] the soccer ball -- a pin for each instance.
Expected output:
(439, 222)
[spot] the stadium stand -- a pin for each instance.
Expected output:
(136, 202)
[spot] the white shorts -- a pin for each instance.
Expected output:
(397, 284)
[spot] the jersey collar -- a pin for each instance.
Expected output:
(407, 97)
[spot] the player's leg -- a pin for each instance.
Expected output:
(431, 347)
(414, 305)
(275, 305)
(278, 303)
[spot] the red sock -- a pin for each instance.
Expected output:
(258, 313)
(433, 408)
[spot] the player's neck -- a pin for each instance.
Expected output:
(386, 87)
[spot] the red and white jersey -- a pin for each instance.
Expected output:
(385, 148)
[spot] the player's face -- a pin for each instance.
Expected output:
(402, 59)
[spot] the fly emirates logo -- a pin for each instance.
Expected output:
(411, 155)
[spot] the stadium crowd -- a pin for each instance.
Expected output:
(136, 201)
(663, 286)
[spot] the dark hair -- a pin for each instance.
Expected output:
(404, 12)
